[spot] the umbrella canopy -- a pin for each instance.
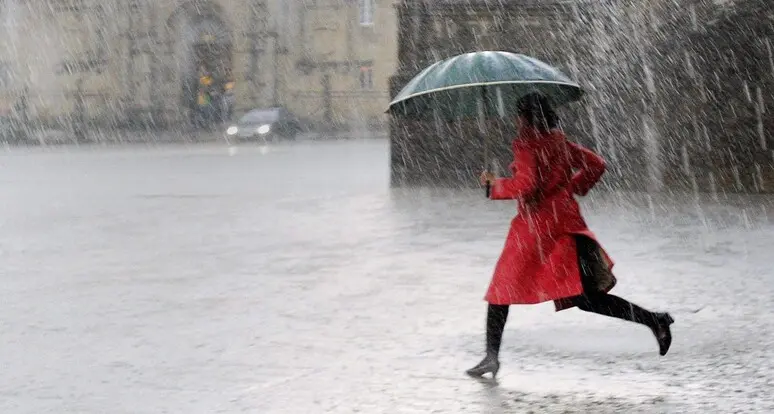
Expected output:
(481, 84)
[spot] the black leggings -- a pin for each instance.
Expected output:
(600, 303)
(590, 301)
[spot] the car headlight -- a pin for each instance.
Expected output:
(264, 129)
(232, 130)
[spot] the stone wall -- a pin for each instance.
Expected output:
(715, 98)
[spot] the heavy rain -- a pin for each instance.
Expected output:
(287, 206)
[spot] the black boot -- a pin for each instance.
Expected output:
(490, 364)
(495, 324)
(663, 332)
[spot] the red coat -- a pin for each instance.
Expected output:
(540, 261)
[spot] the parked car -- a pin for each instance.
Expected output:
(266, 124)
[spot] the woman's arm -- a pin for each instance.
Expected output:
(590, 168)
(524, 180)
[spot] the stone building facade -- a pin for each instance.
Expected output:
(677, 94)
(116, 62)
(715, 96)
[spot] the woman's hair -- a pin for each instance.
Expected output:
(537, 112)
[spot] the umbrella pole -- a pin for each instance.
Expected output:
(483, 129)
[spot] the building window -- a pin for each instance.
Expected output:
(366, 77)
(366, 12)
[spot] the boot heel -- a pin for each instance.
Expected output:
(487, 365)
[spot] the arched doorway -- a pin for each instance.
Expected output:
(201, 43)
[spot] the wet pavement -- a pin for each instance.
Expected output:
(293, 279)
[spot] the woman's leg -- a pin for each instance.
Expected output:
(496, 316)
(610, 305)
(615, 307)
(595, 277)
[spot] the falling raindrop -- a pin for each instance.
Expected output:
(649, 80)
(759, 95)
(500, 103)
(594, 129)
(759, 178)
(437, 122)
(771, 56)
(686, 159)
(653, 150)
(689, 65)
(651, 207)
(574, 66)
(737, 177)
(713, 186)
(702, 90)
(746, 89)
(746, 220)
(761, 130)
(695, 125)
